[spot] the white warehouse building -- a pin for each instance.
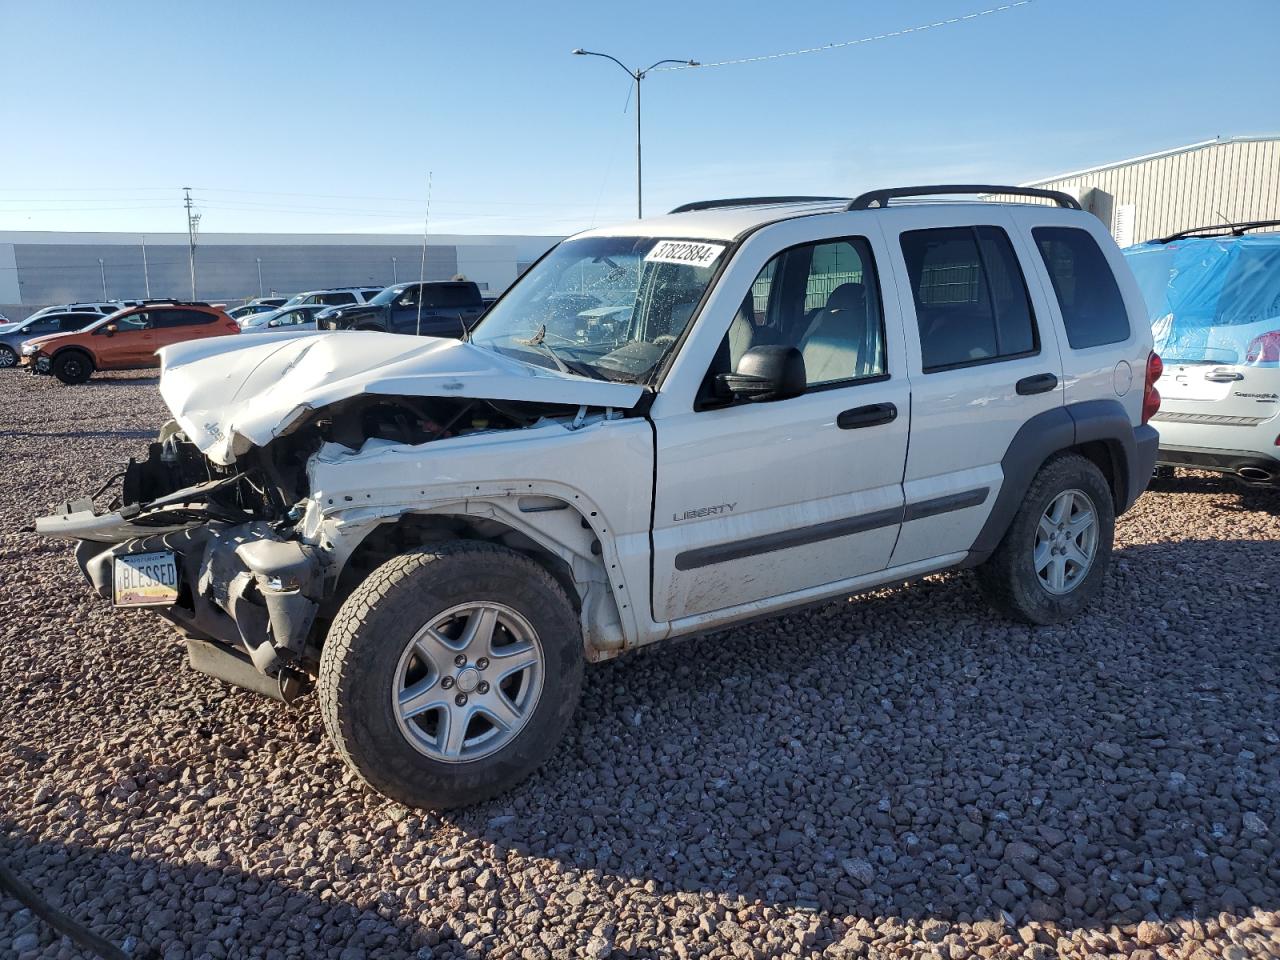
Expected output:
(40, 268)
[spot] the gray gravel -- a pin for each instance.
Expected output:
(900, 774)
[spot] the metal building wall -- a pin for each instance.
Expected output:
(1208, 183)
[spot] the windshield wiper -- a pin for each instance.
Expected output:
(564, 365)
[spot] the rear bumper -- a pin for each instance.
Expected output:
(1248, 466)
(1146, 445)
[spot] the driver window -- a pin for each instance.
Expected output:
(409, 298)
(823, 299)
(134, 321)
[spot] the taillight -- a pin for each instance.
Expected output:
(1150, 395)
(1264, 348)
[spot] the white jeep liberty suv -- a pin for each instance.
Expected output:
(663, 428)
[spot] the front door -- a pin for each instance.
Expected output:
(759, 501)
(129, 346)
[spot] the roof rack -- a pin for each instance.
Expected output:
(175, 301)
(881, 198)
(1235, 229)
(750, 202)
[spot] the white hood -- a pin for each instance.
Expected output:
(232, 393)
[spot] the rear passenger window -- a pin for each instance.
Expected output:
(1092, 309)
(971, 298)
(336, 298)
(167, 319)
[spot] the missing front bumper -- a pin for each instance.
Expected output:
(240, 586)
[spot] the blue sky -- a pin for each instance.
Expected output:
(327, 116)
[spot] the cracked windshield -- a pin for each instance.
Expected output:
(610, 308)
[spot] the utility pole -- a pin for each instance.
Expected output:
(193, 224)
(638, 76)
(103, 270)
(146, 276)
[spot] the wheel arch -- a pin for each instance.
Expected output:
(75, 348)
(554, 533)
(1099, 430)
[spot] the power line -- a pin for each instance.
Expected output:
(853, 43)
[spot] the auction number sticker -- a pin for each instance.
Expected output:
(690, 252)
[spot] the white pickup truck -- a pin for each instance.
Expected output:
(664, 428)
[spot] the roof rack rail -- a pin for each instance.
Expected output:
(750, 202)
(175, 301)
(1235, 229)
(881, 198)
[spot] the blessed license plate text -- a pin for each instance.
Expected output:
(146, 579)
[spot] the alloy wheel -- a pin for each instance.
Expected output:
(1066, 542)
(468, 682)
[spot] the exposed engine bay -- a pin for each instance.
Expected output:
(249, 586)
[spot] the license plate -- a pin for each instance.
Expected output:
(146, 579)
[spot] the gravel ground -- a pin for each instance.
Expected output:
(900, 774)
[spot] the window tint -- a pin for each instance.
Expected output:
(46, 324)
(167, 319)
(336, 298)
(1092, 309)
(451, 296)
(70, 322)
(971, 299)
(822, 298)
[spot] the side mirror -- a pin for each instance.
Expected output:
(767, 372)
(112, 329)
(273, 323)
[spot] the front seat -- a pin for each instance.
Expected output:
(837, 345)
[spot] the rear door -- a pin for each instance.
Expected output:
(759, 503)
(175, 325)
(983, 357)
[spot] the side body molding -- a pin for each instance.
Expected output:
(1133, 452)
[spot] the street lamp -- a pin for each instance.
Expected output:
(103, 270)
(259, 261)
(395, 277)
(637, 76)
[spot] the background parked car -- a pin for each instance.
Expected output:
(125, 340)
(334, 296)
(248, 310)
(1213, 298)
(285, 318)
(448, 309)
(99, 307)
(13, 335)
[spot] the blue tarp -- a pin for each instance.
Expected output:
(1211, 298)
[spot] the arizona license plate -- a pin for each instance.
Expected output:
(146, 579)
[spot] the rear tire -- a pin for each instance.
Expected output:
(450, 674)
(8, 357)
(1053, 557)
(72, 367)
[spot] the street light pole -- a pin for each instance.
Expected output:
(259, 260)
(103, 270)
(637, 76)
(395, 277)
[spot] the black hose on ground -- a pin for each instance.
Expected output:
(59, 921)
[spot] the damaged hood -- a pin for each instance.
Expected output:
(229, 395)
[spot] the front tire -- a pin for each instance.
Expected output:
(8, 357)
(450, 674)
(1054, 556)
(72, 367)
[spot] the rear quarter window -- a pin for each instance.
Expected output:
(1093, 310)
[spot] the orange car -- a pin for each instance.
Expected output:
(125, 340)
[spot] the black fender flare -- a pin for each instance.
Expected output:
(1132, 449)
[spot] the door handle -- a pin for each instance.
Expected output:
(1223, 376)
(871, 415)
(1040, 383)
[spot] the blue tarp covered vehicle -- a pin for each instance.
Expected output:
(1213, 299)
